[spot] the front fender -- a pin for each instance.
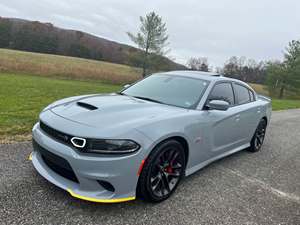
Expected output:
(190, 127)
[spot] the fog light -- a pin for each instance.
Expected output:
(78, 142)
(106, 185)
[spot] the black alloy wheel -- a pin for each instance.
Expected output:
(259, 136)
(162, 171)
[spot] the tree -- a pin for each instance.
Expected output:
(151, 39)
(292, 53)
(244, 69)
(292, 62)
(200, 64)
(275, 78)
(5, 33)
(35, 37)
(78, 50)
(284, 76)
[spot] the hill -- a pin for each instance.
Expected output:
(35, 36)
(65, 67)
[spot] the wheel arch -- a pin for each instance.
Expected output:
(185, 146)
(266, 119)
(183, 141)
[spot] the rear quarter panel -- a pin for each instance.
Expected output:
(266, 105)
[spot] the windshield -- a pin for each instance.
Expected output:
(169, 89)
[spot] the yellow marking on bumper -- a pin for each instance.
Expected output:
(30, 156)
(116, 200)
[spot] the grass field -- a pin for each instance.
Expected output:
(277, 104)
(260, 89)
(22, 97)
(21, 62)
(281, 104)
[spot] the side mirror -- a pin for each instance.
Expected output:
(126, 86)
(218, 105)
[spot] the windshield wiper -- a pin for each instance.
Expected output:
(148, 99)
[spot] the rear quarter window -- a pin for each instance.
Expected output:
(242, 94)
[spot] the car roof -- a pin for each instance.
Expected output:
(195, 74)
(210, 76)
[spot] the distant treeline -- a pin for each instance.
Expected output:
(282, 77)
(40, 37)
(247, 70)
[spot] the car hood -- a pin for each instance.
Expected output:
(109, 111)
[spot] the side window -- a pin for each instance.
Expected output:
(242, 94)
(222, 91)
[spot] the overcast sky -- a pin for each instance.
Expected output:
(217, 29)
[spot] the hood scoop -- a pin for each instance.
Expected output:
(87, 106)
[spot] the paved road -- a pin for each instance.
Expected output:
(245, 188)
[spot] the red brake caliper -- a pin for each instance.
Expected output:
(169, 169)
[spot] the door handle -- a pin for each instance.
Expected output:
(237, 118)
(258, 110)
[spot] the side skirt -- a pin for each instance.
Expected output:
(209, 161)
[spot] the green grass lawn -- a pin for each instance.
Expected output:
(281, 104)
(277, 104)
(22, 97)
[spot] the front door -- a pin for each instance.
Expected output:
(224, 126)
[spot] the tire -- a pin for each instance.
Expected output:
(162, 172)
(258, 137)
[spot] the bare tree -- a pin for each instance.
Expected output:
(244, 69)
(151, 38)
(200, 64)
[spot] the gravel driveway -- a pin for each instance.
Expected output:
(245, 188)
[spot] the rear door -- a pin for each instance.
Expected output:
(249, 112)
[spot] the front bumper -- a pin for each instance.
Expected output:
(119, 171)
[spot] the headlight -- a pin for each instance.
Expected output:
(111, 146)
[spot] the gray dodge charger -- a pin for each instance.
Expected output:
(143, 140)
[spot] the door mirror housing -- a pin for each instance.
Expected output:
(218, 105)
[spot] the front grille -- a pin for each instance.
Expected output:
(58, 164)
(58, 135)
